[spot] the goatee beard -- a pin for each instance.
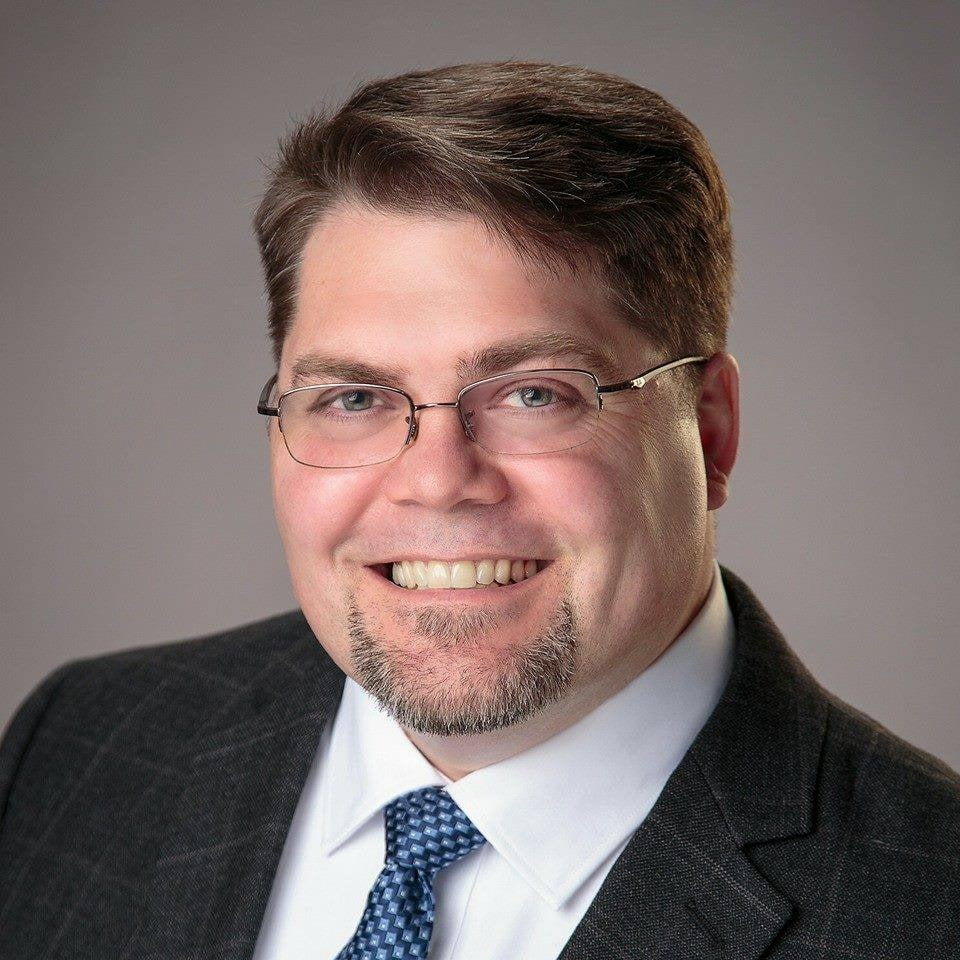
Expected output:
(520, 683)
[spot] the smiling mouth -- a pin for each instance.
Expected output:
(385, 572)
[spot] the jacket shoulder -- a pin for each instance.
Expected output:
(228, 652)
(895, 786)
(229, 657)
(157, 695)
(881, 864)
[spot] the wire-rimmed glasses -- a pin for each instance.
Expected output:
(520, 413)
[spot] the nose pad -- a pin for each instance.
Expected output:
(467, 421)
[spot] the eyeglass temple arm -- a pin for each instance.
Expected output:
(638, 381)
(262, 406)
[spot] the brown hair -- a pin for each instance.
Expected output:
(575, 169)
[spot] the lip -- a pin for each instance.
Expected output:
(473, 557)
(467, 595)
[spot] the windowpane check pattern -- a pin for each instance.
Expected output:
(518, 413)
(425, 832)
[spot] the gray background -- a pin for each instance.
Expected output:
(134, 471)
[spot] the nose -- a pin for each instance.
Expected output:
(442, 467)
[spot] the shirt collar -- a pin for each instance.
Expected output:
(369, 762)
(621, 755)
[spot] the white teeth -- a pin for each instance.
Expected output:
(438, 574)
(461, 574)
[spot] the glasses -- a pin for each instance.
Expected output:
(525, 412)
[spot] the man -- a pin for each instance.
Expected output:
(522, 711)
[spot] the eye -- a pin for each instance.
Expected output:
(350, 401)
(533, 395)
(346, 401)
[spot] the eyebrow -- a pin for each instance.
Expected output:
(492, 359)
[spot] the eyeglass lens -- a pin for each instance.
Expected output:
(355, 424)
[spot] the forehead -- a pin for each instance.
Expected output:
(421, 295)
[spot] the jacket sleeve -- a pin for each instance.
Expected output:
(21, 729)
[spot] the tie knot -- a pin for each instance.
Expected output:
(427, 830)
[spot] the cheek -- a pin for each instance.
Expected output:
(628, 502)
(587, 498)
(615, 480)
(291, 502)
(315, 509)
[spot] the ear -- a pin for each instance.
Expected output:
(718, 417)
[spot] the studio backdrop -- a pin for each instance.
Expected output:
(134, 470)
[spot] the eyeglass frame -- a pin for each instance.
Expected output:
(634, 383)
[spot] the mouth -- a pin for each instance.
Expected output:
(479, 592)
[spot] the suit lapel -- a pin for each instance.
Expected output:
(684, 885)
(227, 824)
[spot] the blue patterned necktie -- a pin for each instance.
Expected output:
(426, 831)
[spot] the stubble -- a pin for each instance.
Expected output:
(445, 683)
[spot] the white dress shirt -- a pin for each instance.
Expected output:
(555, 817)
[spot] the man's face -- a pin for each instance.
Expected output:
(619, 524)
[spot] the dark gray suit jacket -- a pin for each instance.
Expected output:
(146, 796)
